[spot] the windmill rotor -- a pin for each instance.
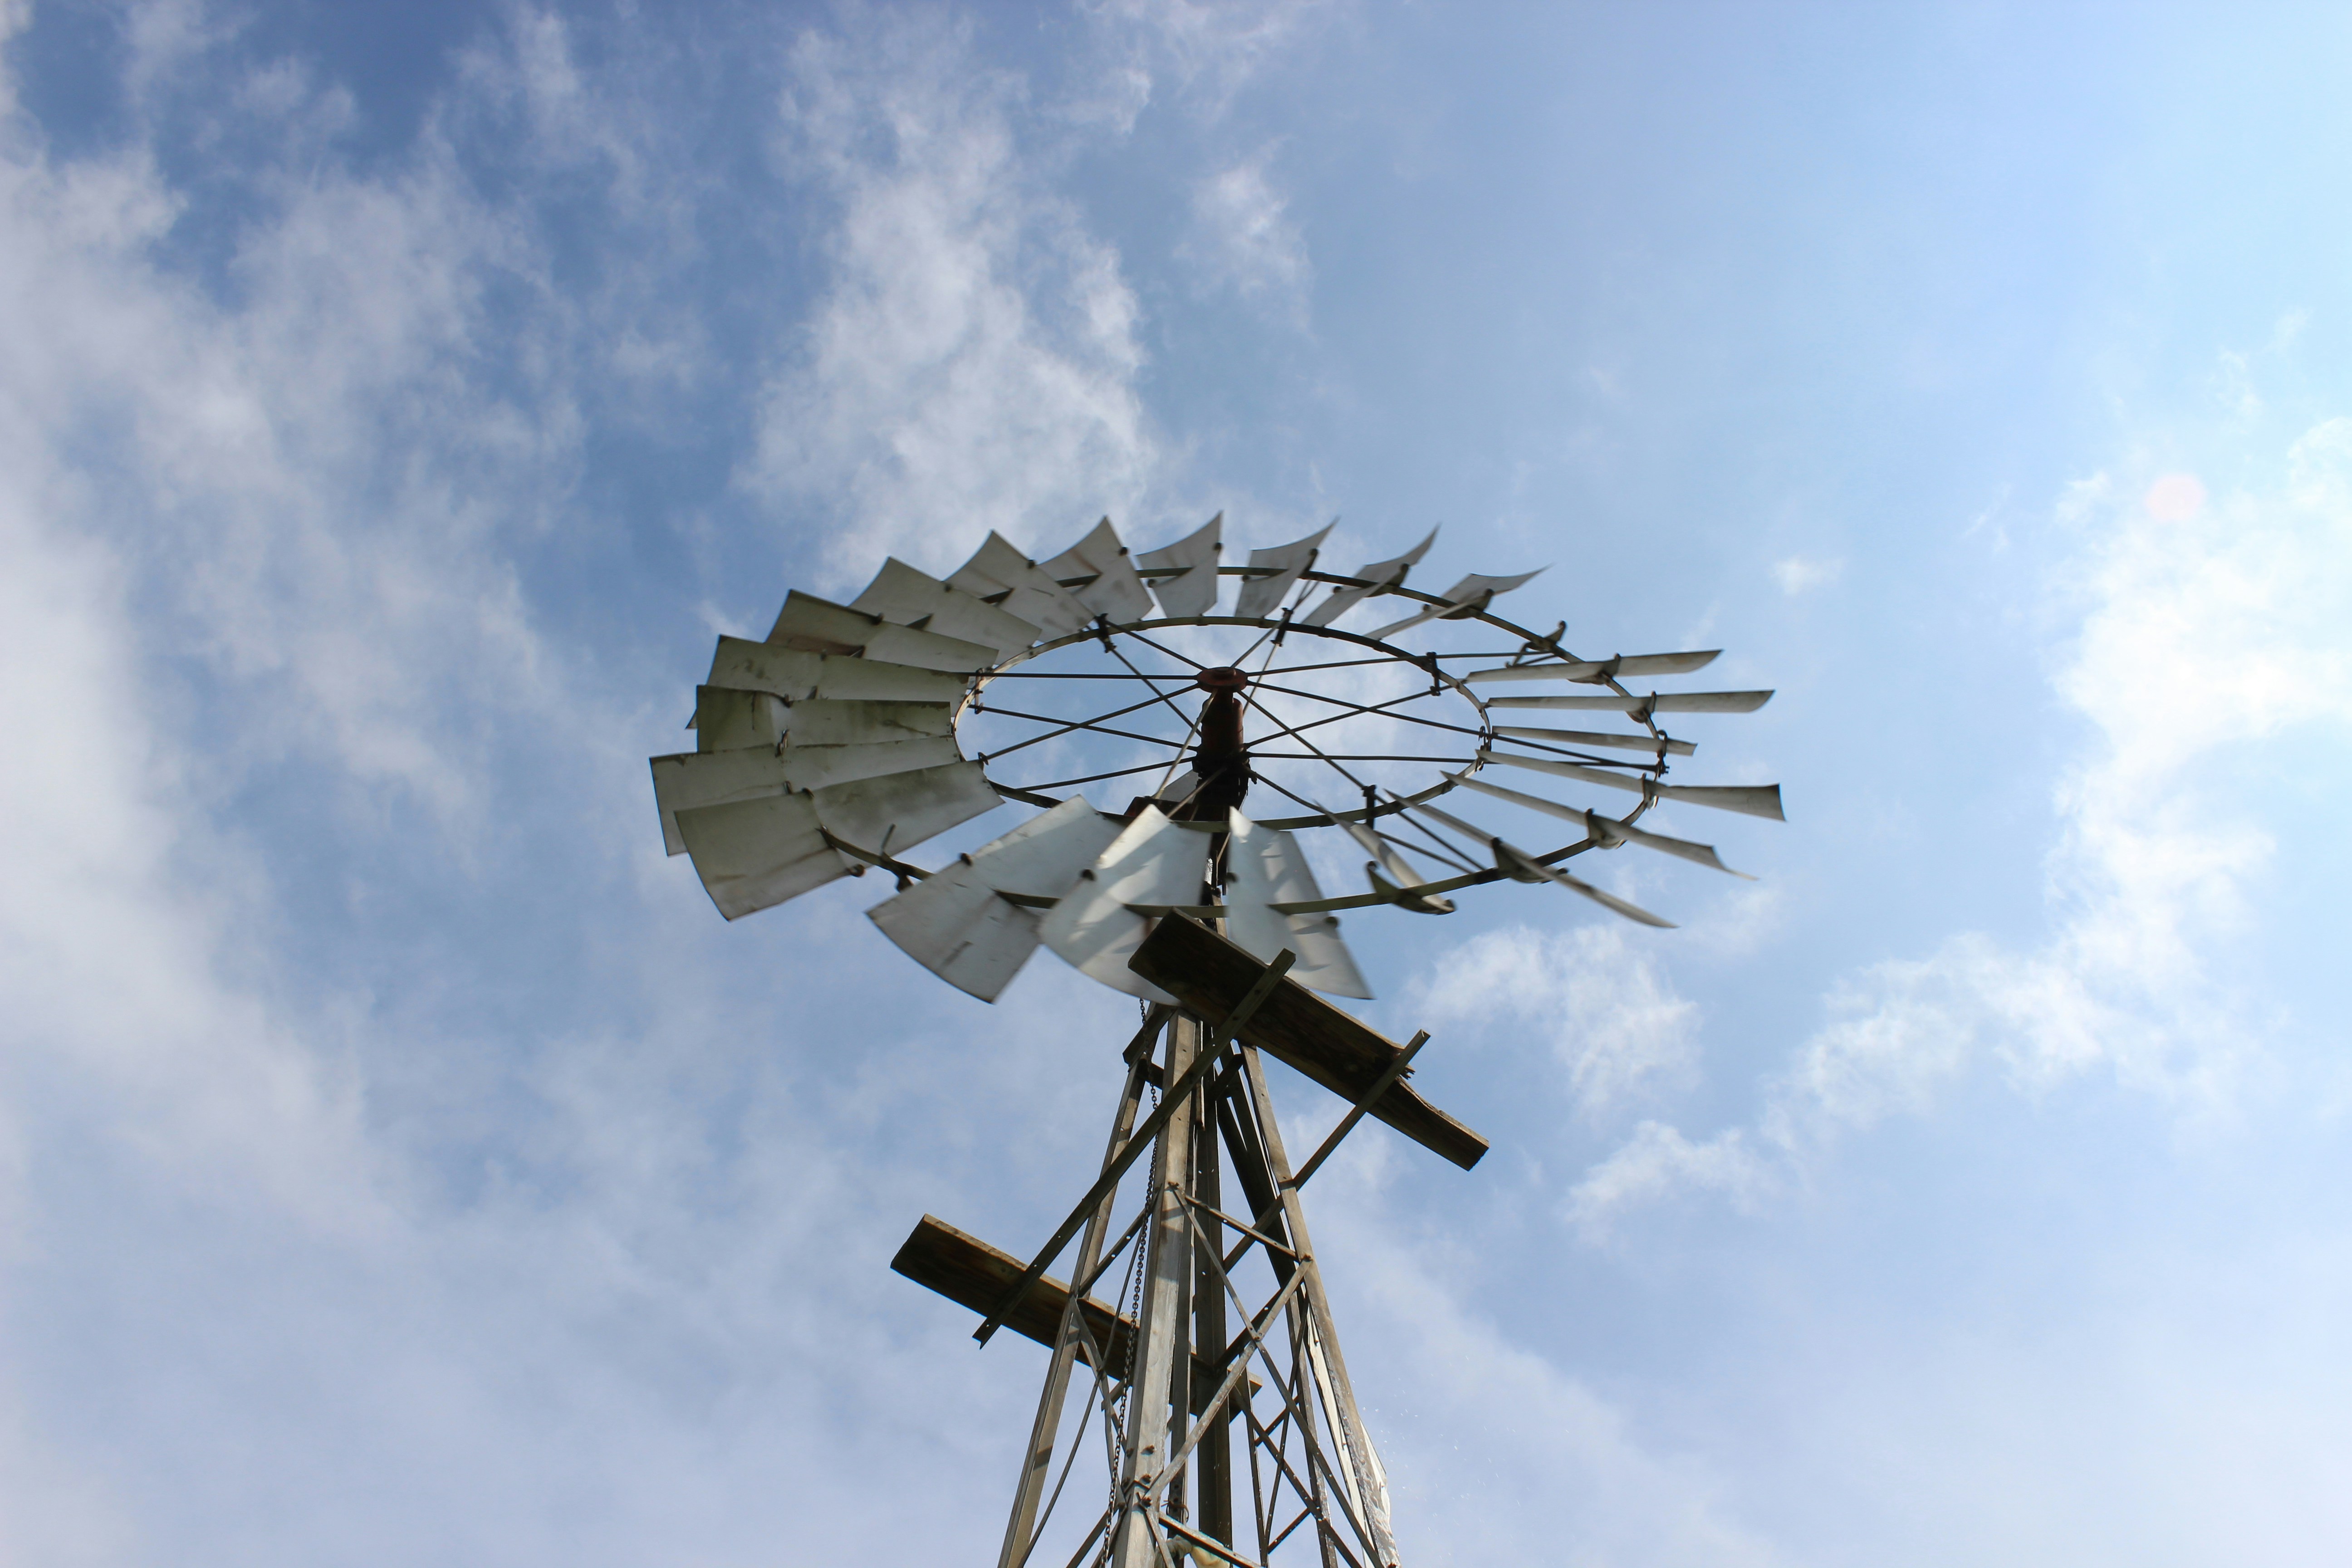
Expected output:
(1223, 765)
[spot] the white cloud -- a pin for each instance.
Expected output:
(1211, 49)
(1804, 574)
(1244, 239)
(1657, 1161)
(972, 365)
(2236, 614)
(1606, 1008)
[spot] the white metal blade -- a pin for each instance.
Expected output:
(1153, 861)
(811, 625)
(1262, 597)
(1195, 591)
(905, 597)
(1656, 702)
(793, 676)
(1264, 866)
(1393, 876)
(1599, 668)
(816, 766)
(1044, 857)
(730, 720)
(892, 813)
(955, 924)
(1578, 885)
(757, 853)
(1605, 831)
(1000, 574)
(1520, 867)
(1381, 574)
(1753, 800)
(692, 779)
(1112, 590)
(1597, 738)
(1467, 597)
(824, 722)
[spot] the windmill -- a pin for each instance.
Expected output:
(1192, 1350)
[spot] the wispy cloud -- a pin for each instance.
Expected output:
(2235, 611)
(1804, 574)
(973, 362)
(1607, 1010)
(1244, 238)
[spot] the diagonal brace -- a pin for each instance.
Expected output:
(1171, 1099)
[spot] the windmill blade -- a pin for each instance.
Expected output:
(1467, 597)
(1752, 800)
(743, 665)
(892, 813)
(730, 720)
(1600, 669)
(810, 767)
(1392, 876)
(1578, 885)
(1193, 590)
(999, 574)
(826, 742)
(1599, 738)
(693, 779)
(956, 923)
(1520, 867)
(754, 854)
(1381, 576)
(823, 722)
(1605, 831)
(811, 624)
(1153, 861)
(905, 597)
(1264, 866)
(1109, 587)
(1656, 702)
(1261, 597)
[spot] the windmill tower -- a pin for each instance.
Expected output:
(1194, 1377)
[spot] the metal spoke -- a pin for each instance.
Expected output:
(1067, 724)
(1250, 698)
(1090, 778)
(1353, 757)
(1171, 653)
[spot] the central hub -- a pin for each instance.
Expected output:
(1223, 762)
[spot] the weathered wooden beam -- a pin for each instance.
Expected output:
(1209, 976)
(970, 1273)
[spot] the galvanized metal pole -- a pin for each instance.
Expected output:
(1039, 1459)
(1163, 1350)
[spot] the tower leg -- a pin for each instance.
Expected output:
(1358, 1465)
(1038, 1460)
(1212, 1459)
(1163, 1348)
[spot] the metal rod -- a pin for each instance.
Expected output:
(1067, 724)
(1171, 1099)
(1393, 1071)
(1090, 778)
(1022, 1529)
(1355, 1446)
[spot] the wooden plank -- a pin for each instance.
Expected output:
(970, 1273)
(1209, 976)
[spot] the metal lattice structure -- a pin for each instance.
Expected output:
(854, 733)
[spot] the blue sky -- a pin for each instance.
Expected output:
(400, 1160)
